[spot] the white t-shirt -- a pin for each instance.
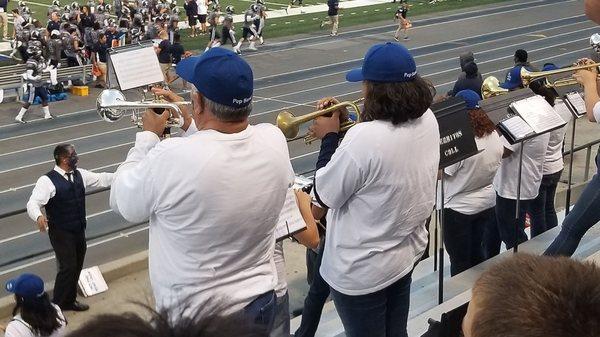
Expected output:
(281, 287)
(468, 184)
(506, 179)
(596, 112)
(554, 157)
(17, 327)
(202, 8)
(212, 200)
(380, 186)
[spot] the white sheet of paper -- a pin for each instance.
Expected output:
(563, 110)
(290, 219)
(538, 113)
(517, 127)
(577, 102)
(92, 282)
(136, 68)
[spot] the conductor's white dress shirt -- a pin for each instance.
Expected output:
(212, 200)
(44, 188)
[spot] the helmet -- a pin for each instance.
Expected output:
(66, 9)
(144, 12)
(110, 22)
(54, 34)
(100, 9)
(65, 17)
(26, 10)
(34, 50)
(595, 42)
(22, 4)
(135, 31)
(144, 3)
(36, 35)
(108, 7)
(125, 10)
(254, 8)
(176, 10)
(260, 2)
(230, 9)
(56, 3)
(74, 5)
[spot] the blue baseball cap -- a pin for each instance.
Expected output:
(549, 66)
(387, 62)
(471, 97)
(220, 75)
(28, 286)
(513, 78)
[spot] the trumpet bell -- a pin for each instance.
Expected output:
(286, 123)
(104, 103)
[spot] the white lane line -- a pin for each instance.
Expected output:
(262, 99)
(13, 189)
(16, 237)
(42, 119)
(68, 140)
(424, 26)
(432, 53)
(52, 257)
(80, 154)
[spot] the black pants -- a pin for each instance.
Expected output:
(505, 217)
(541, 210)
(69, 248)
(463, 238)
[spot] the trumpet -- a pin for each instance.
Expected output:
(528, 76)
(111, 105)
(290, 124)
(491, 87)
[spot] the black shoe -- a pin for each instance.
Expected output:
(76, 306)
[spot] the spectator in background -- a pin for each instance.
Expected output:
(99, 59)
(513, 77)
(202, 13)
(54, 23)
(191, 11)
(332, 11)
(17, 23)
(163, 50)
(470, 79)
(33, 315)
(4, 18)
(535, 296)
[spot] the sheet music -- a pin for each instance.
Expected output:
(517, 127)
(136, 68)
(563, 110)
(301, 182)
(538, 113)
(577, 102)
(290, 219)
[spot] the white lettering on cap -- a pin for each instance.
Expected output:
(242, 101)
(410, 75)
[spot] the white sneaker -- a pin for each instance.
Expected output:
(237, 50)
(253, 48)
(48, 117)
(20, 120)
(262, 41)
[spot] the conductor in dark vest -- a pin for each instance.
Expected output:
(62, 193)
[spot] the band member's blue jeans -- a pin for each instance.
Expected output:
(380, 314)
(584, 215)
(315, 299)
(281, 323)
(261, 312)
(541, 209)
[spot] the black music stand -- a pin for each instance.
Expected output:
(457, 142)
(570, 95)
(499, 111)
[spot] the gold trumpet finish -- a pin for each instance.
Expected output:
(491, 87)
(290, 124)
(112, 106)
(528, 76)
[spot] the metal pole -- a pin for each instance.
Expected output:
(435, 240)
(441, 248)
(517, 225)
(570, 179)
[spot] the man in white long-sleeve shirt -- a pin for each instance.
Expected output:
(212, 197)
(62, 193)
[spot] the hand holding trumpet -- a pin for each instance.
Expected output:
(156, 122)
(588, 76)
(325, 124)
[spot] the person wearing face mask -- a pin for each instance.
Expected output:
(62, 194)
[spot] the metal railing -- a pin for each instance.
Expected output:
(588, 156)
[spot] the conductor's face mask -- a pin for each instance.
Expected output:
(73, 159)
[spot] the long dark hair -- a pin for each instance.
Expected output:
(39, 313)
(397, 102)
